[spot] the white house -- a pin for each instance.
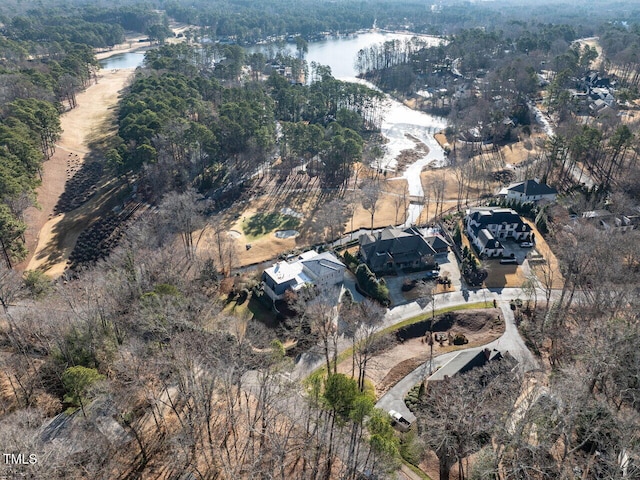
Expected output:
(309, 268)
(486, 244)
(529, 191)
(488, 227)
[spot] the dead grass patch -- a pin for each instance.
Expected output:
(85, 123)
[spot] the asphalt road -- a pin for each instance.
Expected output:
(510, 340)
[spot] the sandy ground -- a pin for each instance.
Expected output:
(304, 197)
(593, 42)
(385, 370)
(548, 272)
(45, 233)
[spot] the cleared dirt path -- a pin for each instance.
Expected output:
(49, 240)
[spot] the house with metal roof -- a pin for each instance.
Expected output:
(309, 268)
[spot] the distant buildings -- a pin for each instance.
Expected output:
(488, 227)
(595, 95)
(309, 268)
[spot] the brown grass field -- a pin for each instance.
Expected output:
(50, 239)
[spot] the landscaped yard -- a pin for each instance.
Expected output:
(261, 224)
(251, 308)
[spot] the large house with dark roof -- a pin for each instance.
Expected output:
(488, 227)
(309, 268)
(395, 249)
(529, 191)
(439, 244)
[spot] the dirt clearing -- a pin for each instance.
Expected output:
(388, 368)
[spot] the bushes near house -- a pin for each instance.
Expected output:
(350, 261)
(412, 400)
(371, 286)
(473, 275)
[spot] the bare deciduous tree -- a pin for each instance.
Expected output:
(371, 192)
(182, 214)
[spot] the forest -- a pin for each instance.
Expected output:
(149, 358)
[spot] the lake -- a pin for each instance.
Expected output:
(399, 120)
(340, 53)
(123, 60)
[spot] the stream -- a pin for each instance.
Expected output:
(340, 53)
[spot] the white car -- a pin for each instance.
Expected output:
(526, 244)
(399, 421)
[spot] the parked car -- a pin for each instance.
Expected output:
(526, 244)
(397, 420)
(432, 275)
(507, 261)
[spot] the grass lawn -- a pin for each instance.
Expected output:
(427, 315)
(416, 470)
(261, 224)
(252, 308)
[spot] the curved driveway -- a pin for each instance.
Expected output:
(510, 341)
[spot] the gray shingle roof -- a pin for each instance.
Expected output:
(393, 243)
(438, 243)
(462, 362)
(495, 216)
(323, 263)
(531, 188)
(488, 240)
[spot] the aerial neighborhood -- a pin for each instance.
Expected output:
(319, 240)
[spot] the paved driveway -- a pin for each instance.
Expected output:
(448, 267)
(510, 341)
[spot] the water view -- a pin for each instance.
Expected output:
(123, 60)
(399, 120)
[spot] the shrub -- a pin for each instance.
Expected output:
(350, 260)
(460, 339)
(37, 283)
(242, 296)
(166, 289)
(413, 398)
(370, 284)
(410, 447)
(347, 297)
(77, 381)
